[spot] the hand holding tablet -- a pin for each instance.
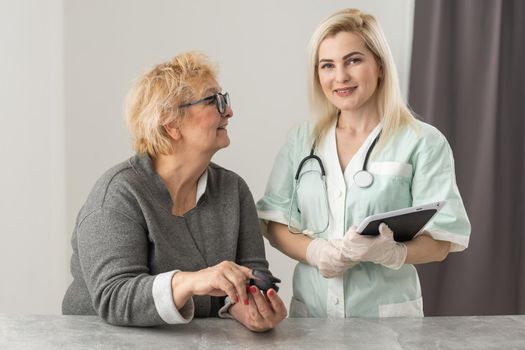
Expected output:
(405, 223)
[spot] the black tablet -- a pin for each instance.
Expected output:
(406, 223)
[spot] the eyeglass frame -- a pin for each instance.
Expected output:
(220, 100)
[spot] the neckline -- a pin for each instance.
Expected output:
(143, 166)
(328, 153)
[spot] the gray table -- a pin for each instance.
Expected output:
(89, 332)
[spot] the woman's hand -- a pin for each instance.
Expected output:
(328, 257)
(225, 278)
(382, 249)
(262, 313)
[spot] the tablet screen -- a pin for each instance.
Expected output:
(405, 226)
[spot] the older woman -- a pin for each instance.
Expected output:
(166, 235)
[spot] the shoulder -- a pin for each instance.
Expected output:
(115, 188)
(422, 144)
(301, 132)
(421, 134)
(298, 141)
(226, 183)
(116, 176)
(430, 132)
(217, 173)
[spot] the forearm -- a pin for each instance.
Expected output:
(181, 288)
(293, 245)
(424, 249)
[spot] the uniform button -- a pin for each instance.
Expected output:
(339, 193)
(336, 301)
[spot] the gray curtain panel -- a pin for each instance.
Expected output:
(468, 79)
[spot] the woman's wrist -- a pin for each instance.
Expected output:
(181, 287)
(236, 313)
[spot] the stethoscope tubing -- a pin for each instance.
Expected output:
(307, 158)
(321, 165)
(362, 178)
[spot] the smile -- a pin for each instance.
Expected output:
(347, 91)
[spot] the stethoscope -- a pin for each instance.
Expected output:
(362, 178)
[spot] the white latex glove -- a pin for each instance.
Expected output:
(327, 256)
(381, 249)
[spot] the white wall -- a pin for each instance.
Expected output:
(261, 50)
(32, 192)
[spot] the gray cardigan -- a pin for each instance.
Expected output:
(126, 236)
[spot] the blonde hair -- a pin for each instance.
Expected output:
(153, 101)
(391, 107)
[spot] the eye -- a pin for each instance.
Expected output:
(327, 66)
(210, 101)
(353, 60)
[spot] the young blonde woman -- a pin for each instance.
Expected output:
(164, 236)
(364, 153)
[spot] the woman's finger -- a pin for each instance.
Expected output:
(247, 271)
(277, 303)
(264, 308)
(228, 288)
(253, 311)
(238, 280)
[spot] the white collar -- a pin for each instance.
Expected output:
(201, 185)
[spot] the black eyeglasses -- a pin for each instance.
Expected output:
(222, 101)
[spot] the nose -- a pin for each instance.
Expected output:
(228, 113)
(341, 74)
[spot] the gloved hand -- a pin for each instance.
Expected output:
(327, 256)
(380, 249)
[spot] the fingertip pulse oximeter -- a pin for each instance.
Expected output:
(264, 280)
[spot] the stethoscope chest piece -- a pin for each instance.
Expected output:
(363, 179)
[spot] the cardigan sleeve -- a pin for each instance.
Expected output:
(250, 245)
(113, 252)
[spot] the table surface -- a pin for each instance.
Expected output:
(90, 332)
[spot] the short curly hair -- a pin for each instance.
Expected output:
(153, 101)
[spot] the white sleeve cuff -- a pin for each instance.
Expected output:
(458, 243)
(275, 216)
(224, 312)
(163, 299)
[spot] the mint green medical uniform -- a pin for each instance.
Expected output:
(415, 167)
